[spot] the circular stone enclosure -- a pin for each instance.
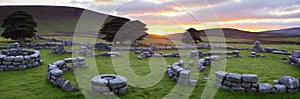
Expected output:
(108, 84)
(19, 59)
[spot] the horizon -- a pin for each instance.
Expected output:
(175, 16)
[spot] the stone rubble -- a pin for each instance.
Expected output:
(295, 58)
(60, 49)
(152, 54)
(178, 73)
(56, 70)
(198, 54)
(111, 54)
(203, 63)
(85, 51)
(101, 46)
(67, 42)
(254, 54)
(85, 44)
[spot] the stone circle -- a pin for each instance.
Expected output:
(108, 84)
(18, 58)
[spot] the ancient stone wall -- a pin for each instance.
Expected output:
(85, 51)
(19, 59)
(152, 54)
(56, 69)
(249, 82)
(295, 58)
(60, 49)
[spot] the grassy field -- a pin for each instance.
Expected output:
(31, 83)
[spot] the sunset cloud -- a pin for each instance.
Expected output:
(294, 9)
(261, 21)
(174, 16)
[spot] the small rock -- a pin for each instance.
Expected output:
(56, 72)
(67, 86)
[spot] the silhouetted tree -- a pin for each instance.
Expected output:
(18, 26)
(121, 29)
(194, 34)
(111, 28)
(132, 31)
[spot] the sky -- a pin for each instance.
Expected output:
(175, 16)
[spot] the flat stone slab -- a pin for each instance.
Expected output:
(234, 77)
(265, 88)
(59, 63)
(250, 78)
(56, 72)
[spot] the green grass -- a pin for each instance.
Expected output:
(31, 83)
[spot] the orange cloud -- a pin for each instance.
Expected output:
(158, 13)
(264, 20)
(103, 0)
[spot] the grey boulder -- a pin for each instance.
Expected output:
(289, 82)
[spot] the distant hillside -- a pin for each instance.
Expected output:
(242, 37)
(291, 31)
(231, 33)
(57, 20)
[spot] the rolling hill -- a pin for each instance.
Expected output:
(240, 36)
(58, 20)
(232, 33)
(291, 31)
